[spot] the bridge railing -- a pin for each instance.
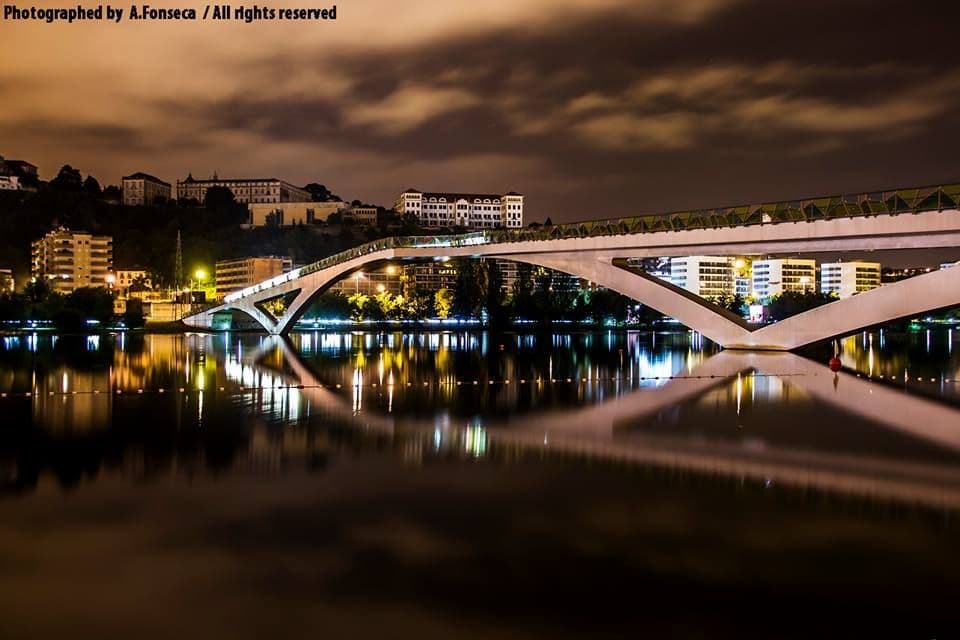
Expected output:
(893, 202)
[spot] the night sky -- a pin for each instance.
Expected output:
(592, 108)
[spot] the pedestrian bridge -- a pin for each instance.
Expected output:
(916, 218)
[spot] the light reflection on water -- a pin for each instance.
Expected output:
(625, 395)
(451, 463)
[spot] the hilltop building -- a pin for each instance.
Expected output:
(245, 190)
(142, 188)
(286, 214)
(473, 211)
(17, 175)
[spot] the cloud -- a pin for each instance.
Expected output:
(409, 107)
(665, 131)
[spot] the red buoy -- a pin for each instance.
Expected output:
(835, 364)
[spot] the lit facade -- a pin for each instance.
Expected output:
(705, 276)
(385, 279)
(7, 283)
(70, 260)
(847, 279)
(234, 275)
(474, 211)
(13, 174)
(244, 190)
(361, 215)
(285, 214)
(773, 277)
(125, 278)
(143, 189)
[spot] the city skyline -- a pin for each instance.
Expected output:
(646, 106)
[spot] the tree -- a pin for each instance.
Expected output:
(443, 303)
(332, 305)
(522, 295)
(94, 303)
(493, 294)
(91, 186)
(68, 179)
(548, 222)
(219, 198)
(735, 304)
(790, 303)
(320, 193)
(468, 291)
(604, 306)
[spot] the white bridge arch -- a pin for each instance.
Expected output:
(598, 258)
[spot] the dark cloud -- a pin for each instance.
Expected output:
(754, 100)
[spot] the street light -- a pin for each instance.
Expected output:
(804, 281)
(200, 274)
(359, 275)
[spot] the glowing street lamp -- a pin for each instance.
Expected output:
(358, 276)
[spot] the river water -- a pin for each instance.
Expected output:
(475, 485)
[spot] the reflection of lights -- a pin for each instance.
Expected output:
(475, 441)
(739, 391)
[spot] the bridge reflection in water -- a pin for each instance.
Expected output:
(764, 418)
(609, 430)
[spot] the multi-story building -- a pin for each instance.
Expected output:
(773, 277)
(17, 175)
(361, 214)
(705, 276)
(846, 279)
(142, 188)
(244, 190)
(9, 178)
(69, 260)
(285, 214)
(125, 278)
(371, 282)
(237, 274)
(474, 211)
(7, 283)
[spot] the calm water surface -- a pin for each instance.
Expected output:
(476, 485)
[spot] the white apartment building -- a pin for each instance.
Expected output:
(773, 277)
(70, 260)
(245, 190)
(705, 276)
(143, 189)
(234, 275)
(474, 211)
(847, 279)
(285, 214)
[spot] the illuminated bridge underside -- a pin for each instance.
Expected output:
(596, 258)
